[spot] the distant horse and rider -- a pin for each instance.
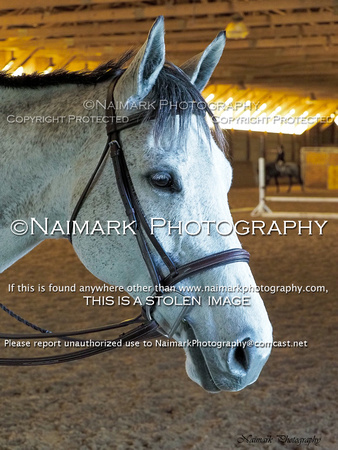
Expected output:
(281, 169)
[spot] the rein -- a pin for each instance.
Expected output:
(148, 327)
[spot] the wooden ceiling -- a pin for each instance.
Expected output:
(292, 44)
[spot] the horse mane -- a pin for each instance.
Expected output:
(173, 94)
(104, 72)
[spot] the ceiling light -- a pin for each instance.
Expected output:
(18, 72)
(50, 67)
(9, 64)
(236, 29)
(209, 98)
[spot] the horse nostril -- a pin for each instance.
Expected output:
(241, 357)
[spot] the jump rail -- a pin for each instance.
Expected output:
(263, 210)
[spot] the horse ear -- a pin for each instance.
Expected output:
(200, 68)
(137, 81)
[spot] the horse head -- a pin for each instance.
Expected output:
(181, 177)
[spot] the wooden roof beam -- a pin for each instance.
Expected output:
(124, 27)
(231, 7)
(250, 72)
(178, 10)
(131, 36)
(22, 4)
(319, 41)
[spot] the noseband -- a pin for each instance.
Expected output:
(145, 239)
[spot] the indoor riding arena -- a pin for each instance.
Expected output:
(273, 95)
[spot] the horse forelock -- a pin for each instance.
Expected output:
(172, 96)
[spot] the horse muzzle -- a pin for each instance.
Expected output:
(225, 365)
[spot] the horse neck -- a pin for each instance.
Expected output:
(43, 164)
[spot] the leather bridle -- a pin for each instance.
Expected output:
(145, 239)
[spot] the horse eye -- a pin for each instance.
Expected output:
(161, 180)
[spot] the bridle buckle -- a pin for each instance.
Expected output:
(114, 147)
